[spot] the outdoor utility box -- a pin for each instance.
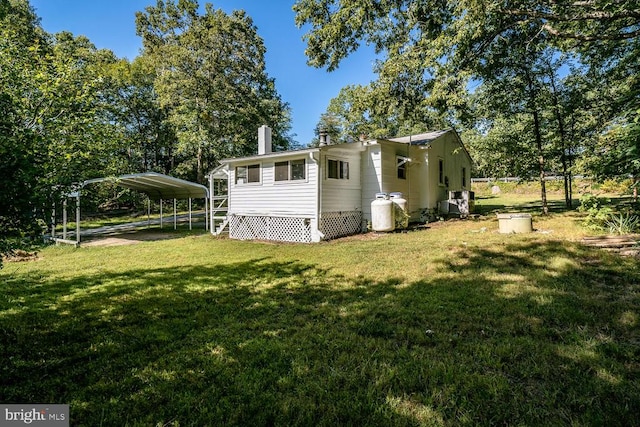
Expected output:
(509, 223)
(460, 203)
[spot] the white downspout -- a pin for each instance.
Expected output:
(319, 235)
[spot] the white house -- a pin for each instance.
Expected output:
(326, 192)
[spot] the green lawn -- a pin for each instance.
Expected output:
(452, 325)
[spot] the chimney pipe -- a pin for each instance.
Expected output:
(264, 139)
(324, 137)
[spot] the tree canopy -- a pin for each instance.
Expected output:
(71, 112)
(559, 77)
(210, 77)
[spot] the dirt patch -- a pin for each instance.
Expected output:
(21, 256)
(131, 238)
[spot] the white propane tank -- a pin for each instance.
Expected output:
(382, 218)
(401, 218)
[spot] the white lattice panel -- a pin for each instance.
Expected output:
(338, 224)
(284, 229)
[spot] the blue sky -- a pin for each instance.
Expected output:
(110, 24)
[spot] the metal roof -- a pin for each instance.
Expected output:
(157, 186)
(421, 139)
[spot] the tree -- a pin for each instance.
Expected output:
(142, 123)
(21, 44)
(55, 126)
(438, 50)
(210, 75)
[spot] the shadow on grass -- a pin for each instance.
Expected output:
(486, 206)
(526, 334)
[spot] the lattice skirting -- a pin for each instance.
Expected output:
(293, 229)
(338, 224)
(284, 229)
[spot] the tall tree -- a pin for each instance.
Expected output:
(22, 43)
(143, 124)
(210, 75)
(438, 49)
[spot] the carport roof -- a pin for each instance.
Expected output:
(157, 186)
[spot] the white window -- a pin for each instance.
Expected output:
(337, 169)
(292, 170)
(247, 174)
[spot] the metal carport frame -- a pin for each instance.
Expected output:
(157, 187)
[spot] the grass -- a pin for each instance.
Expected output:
(453, 325)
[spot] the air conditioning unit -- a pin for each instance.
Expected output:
(459, 203)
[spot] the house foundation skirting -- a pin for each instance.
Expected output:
(294, 229)
(339, 224)
(284, 229)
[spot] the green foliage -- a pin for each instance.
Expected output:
(511, 55)
(209, 74)
(602, 216)
(21, 148)
(598, 211)
(623, 223)
(614, 186)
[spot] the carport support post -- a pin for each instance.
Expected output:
(53, 220)
(78, 217)
(212, 193)
(64, 218)
(189, 213)
(161, 213)
(148, 212)
(175, 220)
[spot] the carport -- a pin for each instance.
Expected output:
(156, 186)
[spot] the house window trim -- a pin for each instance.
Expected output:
(259, 182)
(289, 173)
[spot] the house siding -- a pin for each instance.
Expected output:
(320, 207)
(282, 198)
(371, 178)
(341, 194)
(381, 174)
(455, 158)
(421, 189)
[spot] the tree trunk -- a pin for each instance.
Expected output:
(200, 170)
(566, 173)
(538, 135)
(543, 187)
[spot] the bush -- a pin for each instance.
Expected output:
(602, 216)
(614, 186)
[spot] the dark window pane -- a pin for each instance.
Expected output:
(282, 171)
(332, 168)
(344, 170)
(297, 169)
(253, 173)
